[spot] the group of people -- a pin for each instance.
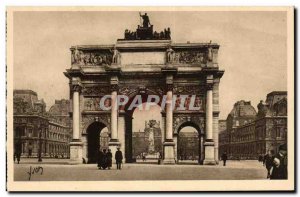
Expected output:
(17, 156)
(276, 165)
(104, 159)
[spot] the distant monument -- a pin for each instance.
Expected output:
(151, 147)
(145, 31)
(148, 142)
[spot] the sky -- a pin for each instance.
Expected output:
(253, 47)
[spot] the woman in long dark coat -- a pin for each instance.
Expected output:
(100, 159)
(104, 160)
(109, 159)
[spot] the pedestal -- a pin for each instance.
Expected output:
(169, 157)
(113, 145)
(209, 154)
(75, 152)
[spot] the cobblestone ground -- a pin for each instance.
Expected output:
(59, 170)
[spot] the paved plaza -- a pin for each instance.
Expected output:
(59, 170)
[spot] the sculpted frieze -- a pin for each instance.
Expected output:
(96, 90)
(93, 104)
(96, 58)
(184, 104)
(190, 57)
(188, 89)
(133, 89)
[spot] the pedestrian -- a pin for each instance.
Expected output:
(15, 156)
(119, 158)
(224, 158)
(269, 162)
(264, 158)
(160, 158)
(100, 159)
(104, 160)
(18, 155)
(279, 168)
(109, 159)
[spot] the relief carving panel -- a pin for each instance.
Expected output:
(87, 120)
(95, 58)
(178, 120)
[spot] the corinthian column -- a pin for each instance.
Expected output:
(114, 115)
(169, 145)
(76, 113)
(76, 144)
(209, 142)
(114, 141)
(169, 116)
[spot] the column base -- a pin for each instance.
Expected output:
(209, 153)
(113, 144)
(169, 157)
(75, 152)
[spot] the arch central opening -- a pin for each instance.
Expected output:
(144, 133)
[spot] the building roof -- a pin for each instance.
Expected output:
(25, 92)
(61, 107)
(243, 108)
(277, 93)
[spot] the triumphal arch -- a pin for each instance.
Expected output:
(145, 62)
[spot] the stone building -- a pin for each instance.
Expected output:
(37, 131)
(30, 123)
(60, 133)
(271, 123)
(249, 135)
(144, 63)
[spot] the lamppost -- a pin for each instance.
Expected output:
(40, 146)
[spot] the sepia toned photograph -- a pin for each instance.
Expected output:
(150, 99)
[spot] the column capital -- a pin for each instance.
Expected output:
(209, 86)
(114, 83)
(114, 87)
(209, 82)
(169, 87)
(76, 88)
(76, 85)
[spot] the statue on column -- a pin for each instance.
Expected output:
(146, 21)
(116, 56)
(170, 55)
(76, 56)
(209, 53)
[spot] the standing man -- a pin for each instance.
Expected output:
(224, 158)
(269, 162)
(18, 150)
(279, 169)
(119, 158)
(18, 154)
(100, 159)
(109, 159)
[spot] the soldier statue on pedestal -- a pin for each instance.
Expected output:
(146, 21)
(116, 56)
(170, 55)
